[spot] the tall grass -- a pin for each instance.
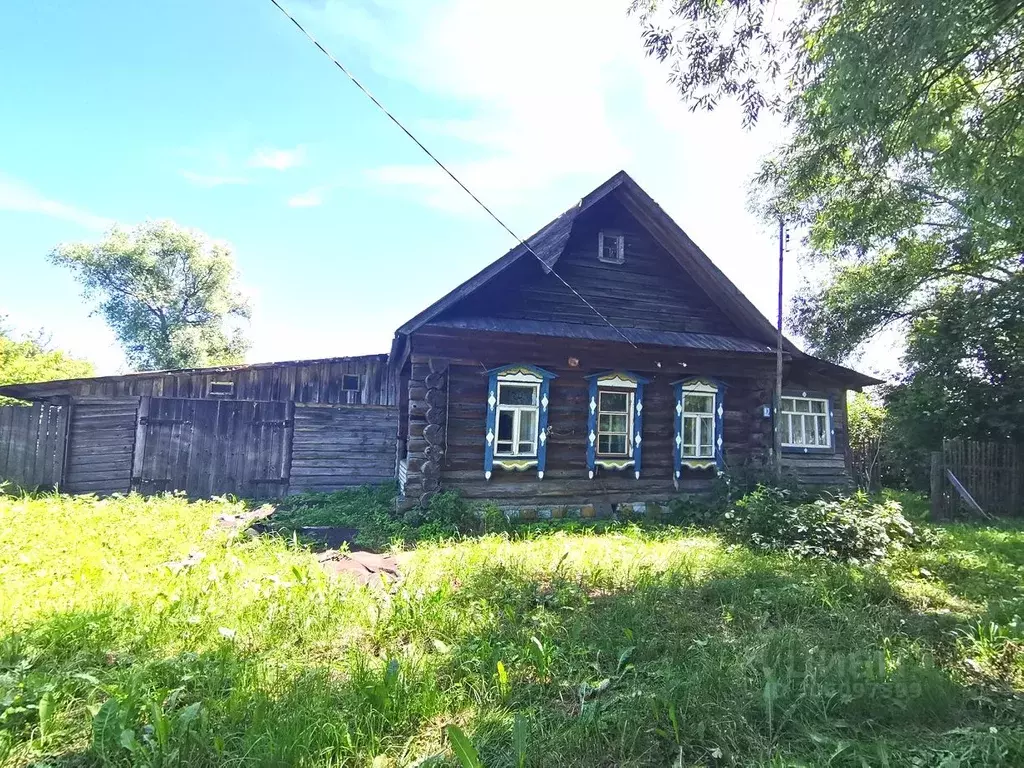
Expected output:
(134, 633)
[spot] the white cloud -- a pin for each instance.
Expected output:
(309, 199)
(212, 180)
(277, 159)
(541, 100)
(18, 196)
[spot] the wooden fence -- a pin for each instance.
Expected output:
(32, 440)
(204, 447)
(992, 474)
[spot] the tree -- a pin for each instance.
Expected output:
(32, 359)
(906, 150)
(169, 293)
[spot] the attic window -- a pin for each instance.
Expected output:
(611, 247)
(350, 383)
(222, 388)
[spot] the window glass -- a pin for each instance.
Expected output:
(517, 394)
(612, 444)
(612, 247)
(805, 422)
(350, 383)
(506, 420)
(698, 403)
(707, 434)
(698, 423)
(614, 401)
(527, 426)
(613, 422)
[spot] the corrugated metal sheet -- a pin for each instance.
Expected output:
(707, 341)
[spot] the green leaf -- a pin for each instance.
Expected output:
(503, 687)
(106, 730)
(188, 714)
(520, 734)
(128, 740)
(45, 716)
(624, 658)
(463, 748)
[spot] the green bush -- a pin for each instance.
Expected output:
(448, 513)
(850, 528)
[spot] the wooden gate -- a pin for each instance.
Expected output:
(99, 458)
(32, 444)
(212, 447)
(993, 474)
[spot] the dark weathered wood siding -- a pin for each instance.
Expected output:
(337, 447)
(304, 381)
(650, 290)
(101, 442)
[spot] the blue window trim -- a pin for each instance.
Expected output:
(719, 459)
(636, 462)
(490, 438)
(818, 395)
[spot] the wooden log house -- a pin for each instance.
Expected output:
(609, 361)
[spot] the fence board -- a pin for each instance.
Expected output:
(32, 444)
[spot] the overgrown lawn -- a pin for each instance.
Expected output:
(133, 632)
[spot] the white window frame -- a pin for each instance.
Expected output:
(621, 242)
(227, 391)
(518, 380)
(630, 399)
(701, 390)
(786, 419)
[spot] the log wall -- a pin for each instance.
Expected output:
(458, 442)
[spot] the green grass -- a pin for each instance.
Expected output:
(620, 646)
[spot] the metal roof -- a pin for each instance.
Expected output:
(705, 341)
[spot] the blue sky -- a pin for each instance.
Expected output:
(221, 116)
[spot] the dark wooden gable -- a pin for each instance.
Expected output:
(651, 290)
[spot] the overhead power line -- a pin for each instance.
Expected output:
(443, 167)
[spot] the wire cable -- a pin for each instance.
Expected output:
(443, 167)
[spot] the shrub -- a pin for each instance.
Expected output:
(449, 513)
(848, 528)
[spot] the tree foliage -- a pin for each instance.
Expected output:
(169, 293)
(904, 162)
(32, 359)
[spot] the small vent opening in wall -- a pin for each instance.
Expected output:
(222, 388)
(611, 247)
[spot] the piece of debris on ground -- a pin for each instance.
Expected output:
(366, 567)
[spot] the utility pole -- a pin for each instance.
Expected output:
(777, 409)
